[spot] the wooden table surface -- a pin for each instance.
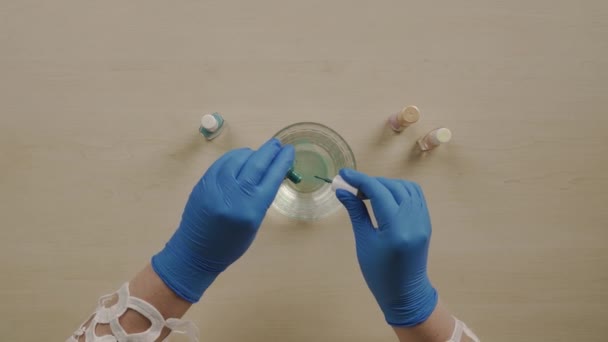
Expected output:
(99, 111)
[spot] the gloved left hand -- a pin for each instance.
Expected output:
(222, 217)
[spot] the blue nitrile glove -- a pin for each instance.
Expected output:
(393, 256)
(222, 217)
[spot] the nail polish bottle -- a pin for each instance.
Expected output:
(434, 138)
(211, 125)
(406, 117)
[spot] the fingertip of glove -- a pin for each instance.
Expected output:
(289, 148)
(287, 155)
(344, 196)
(345, 172)
(351, 176)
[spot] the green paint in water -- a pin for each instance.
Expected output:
(311, 161)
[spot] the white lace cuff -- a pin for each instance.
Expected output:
(112, 306)
(459, 329)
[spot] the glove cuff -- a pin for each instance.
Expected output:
(416, 310)
(180, 275)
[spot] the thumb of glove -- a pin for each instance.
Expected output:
(357, 211)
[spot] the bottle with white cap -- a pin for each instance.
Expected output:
(434, 138)
(403, 119)
(211, 125)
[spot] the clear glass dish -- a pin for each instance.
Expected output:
(320, 151)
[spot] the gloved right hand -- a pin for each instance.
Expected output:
(393, 257)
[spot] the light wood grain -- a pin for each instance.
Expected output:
(99, 111)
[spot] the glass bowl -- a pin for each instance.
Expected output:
(320, 151)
